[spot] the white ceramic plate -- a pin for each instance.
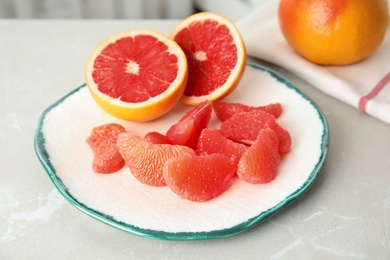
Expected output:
(119, 200)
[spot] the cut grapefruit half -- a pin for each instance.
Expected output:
(216, 56)
(137, 75)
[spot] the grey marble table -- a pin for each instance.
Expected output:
(344, 215)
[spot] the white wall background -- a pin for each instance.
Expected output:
(123, 9)
(234, 9)
(95, 9)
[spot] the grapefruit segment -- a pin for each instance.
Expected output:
(137, 75)
(224, 110)
(211, 141)
(259, 164)
(198, 178)
(102, 141)
(156, 138)
(146, 159)
(187, 130)
(284, 138)
(245, 127)
(216, 56)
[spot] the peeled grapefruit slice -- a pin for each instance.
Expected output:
(284, 139)
(137, 75)
(146, 159)
(102, 141)
(198, 178)
(224, 110)
(216, 56)
(156, 138)
(187, 130)
(245, 127)
(211, 141)
(259, 164)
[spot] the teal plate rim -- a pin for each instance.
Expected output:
(44, 158)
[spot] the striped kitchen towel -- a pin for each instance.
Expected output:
(364, 85)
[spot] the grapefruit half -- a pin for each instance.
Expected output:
(137, 75)
(216, 56)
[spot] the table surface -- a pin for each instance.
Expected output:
(344, 215)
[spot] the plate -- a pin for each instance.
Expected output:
(120, 201)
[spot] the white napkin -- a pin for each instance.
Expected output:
(364, 85)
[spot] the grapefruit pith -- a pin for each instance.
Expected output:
(216, 56)
(137, 75)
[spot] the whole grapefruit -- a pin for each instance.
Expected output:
(334, 32)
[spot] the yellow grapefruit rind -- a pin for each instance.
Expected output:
(237, 72)
(154, 107)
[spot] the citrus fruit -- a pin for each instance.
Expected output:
(145, 159)
(216, 56)
(245, 127)
(156, 138)
(198, 178)
(259, 164)
(102, 141)
(334, 32)
(187, 130)
(137, 75)
(284, 138)
(224, 110)
(211, 141)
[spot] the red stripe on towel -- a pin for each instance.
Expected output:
(374, 92)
